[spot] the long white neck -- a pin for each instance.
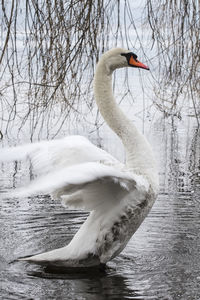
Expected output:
(139, 156)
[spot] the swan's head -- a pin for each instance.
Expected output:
(120, 58)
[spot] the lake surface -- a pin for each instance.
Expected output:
(161, 261)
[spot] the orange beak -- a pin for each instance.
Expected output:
(137, 64)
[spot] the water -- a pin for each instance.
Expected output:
(160, 262)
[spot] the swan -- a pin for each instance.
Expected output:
(83, 176)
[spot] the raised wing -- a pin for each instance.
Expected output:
(47, 156)
(86, 186)
(75, 171)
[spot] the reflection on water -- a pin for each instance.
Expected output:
(160, 262)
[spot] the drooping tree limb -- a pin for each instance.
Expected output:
(9, 22)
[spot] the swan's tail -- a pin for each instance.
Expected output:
(80, 252)
(63, 257)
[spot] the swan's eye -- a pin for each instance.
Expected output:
(129, 55)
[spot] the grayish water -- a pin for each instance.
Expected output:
(160, 262)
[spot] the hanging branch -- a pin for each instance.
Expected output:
(50, 52)
(175, 29)
(8, 23)
(50, 49)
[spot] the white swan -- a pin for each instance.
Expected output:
(83, 176)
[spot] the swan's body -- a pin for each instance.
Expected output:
(83, 176)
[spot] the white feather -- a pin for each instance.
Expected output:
(78, 186)
(46, 156)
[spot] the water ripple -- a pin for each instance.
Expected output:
(161, 262)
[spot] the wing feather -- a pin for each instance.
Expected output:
(46, 156)
(86, 185)
(75, 171)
